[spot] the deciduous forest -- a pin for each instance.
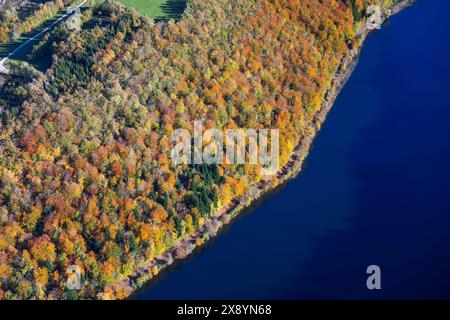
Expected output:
(85, 171)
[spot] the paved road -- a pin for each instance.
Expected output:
(3, 68)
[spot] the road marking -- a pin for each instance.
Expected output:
(3, 69)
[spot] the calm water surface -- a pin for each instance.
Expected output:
(375, 189)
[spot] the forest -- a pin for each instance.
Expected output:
(19, 17)
(85, 171)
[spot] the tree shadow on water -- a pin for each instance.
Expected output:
(172, 9)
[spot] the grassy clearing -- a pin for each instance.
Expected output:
(157, 9)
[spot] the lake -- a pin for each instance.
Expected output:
(375, 189)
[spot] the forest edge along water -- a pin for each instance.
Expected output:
(259, 192)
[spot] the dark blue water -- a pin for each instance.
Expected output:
(375, 189)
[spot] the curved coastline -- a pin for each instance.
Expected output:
(291, 169)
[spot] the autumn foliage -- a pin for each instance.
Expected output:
(85, 171)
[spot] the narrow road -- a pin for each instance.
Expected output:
(3, 68)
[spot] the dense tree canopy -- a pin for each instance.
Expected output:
(85, 175)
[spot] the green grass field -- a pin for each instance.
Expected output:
(157, 9)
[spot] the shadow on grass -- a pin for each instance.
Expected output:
(172, 9)
(45, 61)
(22, 54)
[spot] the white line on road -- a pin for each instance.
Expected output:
(2, 62)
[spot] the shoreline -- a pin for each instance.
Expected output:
(291, 169)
